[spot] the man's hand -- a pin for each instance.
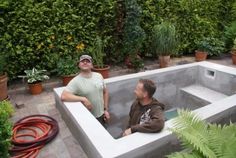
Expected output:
(106, 115)
(127, 132)
(87, 103)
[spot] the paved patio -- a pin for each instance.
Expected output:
(65, 145)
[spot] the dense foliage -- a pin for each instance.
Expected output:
(67, 66)
(36, 33)
(193, 19)
(134, 34)
(6, 110)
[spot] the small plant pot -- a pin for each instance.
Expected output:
(200, 56)
(233, 53)
(164, 61)
(66, 79)
(103, 71)
(35, 88)
(3, 87)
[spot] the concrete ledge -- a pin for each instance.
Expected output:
(203, 93)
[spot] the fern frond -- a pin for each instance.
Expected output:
(201, 139)
(222, 140)
(184, 155)
(193, 132)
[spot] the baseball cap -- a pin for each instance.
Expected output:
(82, 57)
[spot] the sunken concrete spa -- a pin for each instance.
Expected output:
(208, 89)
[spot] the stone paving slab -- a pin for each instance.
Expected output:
(65, 145)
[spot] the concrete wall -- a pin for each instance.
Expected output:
(221, 81)
(168, 85)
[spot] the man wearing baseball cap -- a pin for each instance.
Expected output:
(89, 88)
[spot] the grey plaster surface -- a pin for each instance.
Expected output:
(65, 145)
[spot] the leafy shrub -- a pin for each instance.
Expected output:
(134, 35)
(35, 75)
(230, 34)
(212, 46)
(67, 66)
(6, 111)
(97, 52)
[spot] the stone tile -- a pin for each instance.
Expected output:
(74, 148)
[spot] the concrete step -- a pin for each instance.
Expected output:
(204, 93)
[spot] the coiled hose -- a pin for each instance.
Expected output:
(31, 133)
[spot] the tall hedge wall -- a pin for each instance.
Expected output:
(39, 32)
(193, 19)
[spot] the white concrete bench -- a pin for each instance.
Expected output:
(204, 93)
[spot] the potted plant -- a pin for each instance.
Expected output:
(97, 52)
(34, 79)
(134, 35)
(208, 46)
(67, 69)
(164, 42)
(3, 78)
(203, 47)
(233, 52)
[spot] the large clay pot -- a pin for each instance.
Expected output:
(233, 53)
(3, 87)
(35, 88)
(200, 55)
(66, 79)
(164, 61)
(103, 71)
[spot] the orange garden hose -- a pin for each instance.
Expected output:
(31, 133)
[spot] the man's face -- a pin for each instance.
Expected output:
(85, 64)
(139, 91)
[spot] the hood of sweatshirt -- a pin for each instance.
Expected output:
(154, 102)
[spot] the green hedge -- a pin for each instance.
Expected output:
(37, 33)
(193, 19)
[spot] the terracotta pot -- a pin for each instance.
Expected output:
(66, 79)
(164, 61)
(233, 53)
(35, 88)
(200, 55)
(128, 61)
(3, 87)
(103, 71)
